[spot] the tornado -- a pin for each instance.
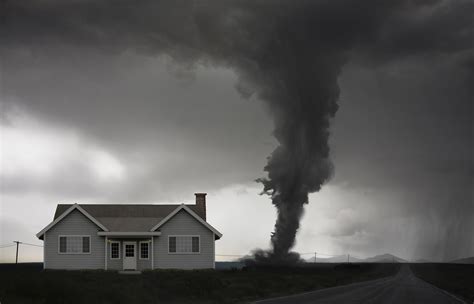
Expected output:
(304, 100)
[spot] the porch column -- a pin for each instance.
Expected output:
(152, 252)
(44, 250)
(106, 241)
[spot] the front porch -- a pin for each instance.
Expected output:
(129, 252)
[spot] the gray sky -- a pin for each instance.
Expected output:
(91, 116)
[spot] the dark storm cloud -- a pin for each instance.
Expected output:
(141, 115)
(189, 27)
(289, 54)
(416, 128)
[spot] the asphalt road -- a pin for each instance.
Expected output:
(403, 288)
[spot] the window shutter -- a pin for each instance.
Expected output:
(172, 244)
(195, 244)
(62, 244)
(86, 244)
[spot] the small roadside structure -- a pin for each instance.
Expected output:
(130, 237)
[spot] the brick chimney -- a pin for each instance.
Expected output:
(201, 204)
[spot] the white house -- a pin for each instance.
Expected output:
(130, 237)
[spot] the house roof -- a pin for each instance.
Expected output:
(217, 234)
(127, 211)
(130, 217)
(65, 213)
(129, 223)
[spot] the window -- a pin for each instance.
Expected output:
(115, 250)
(144, 249)
(74, 244)
(129, 250)
(183, 244)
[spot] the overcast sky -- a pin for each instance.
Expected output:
(90, 119)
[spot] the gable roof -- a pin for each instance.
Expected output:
(65, 213)
(127, 210)
(193, 214)
(128, 217)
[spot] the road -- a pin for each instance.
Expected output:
(403, 288)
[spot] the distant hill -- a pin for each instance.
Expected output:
(385, 258)
(463, 261)
(335, 259)
(423, 261)
(382, 258)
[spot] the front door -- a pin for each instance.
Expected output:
(130, 256)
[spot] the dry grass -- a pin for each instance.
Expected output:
(28, 284)
(455, 278)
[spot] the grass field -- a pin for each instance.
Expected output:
(455, 278)
(27, 283)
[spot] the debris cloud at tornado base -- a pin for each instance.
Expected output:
(289, 54)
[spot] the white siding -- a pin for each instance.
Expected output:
(184, 224)
(75, 223)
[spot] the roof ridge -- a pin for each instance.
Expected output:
(178, 204)
(128, 210)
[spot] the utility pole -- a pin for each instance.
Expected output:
(17, 245)
(347, 258)
(315, 257)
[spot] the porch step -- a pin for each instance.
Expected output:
(130, 272)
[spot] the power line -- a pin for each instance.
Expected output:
(6, 246)
(321, 253)
(31, 244)
(302, 253)
(17, 244)
(11, 245)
